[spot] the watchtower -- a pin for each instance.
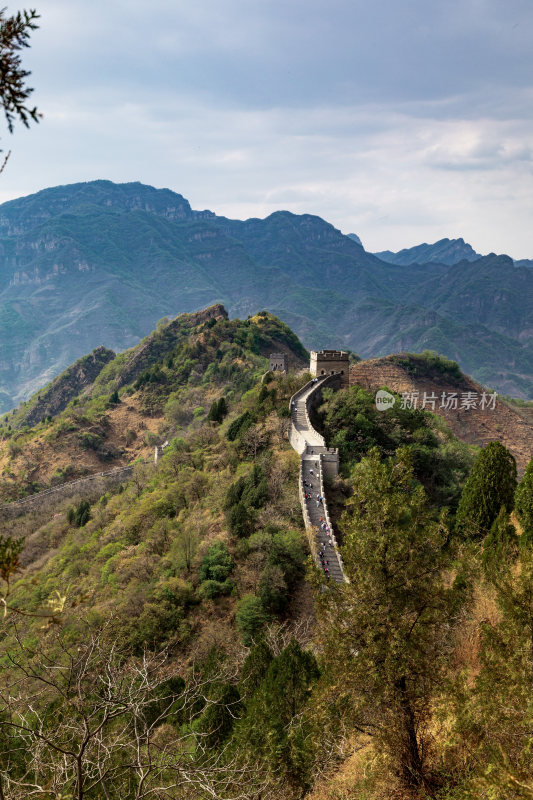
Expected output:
(331, 362)
(278, 362)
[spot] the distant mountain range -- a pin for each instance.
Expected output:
(99, 263)
(445, 251)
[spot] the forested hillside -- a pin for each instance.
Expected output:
(172, 638)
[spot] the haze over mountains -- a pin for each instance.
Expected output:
(98, 264)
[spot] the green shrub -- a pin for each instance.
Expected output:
(210, 588)
(80, 515)
(240, 425)
(216, 564)
(90, 441)
(251, 617)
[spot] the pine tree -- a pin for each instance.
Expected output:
(275, 728)
(490, 485)
(386, 634)
(524, 501)
(251, 617)
(500, 546)
(14, 94)
(495, 715)
(255, 667)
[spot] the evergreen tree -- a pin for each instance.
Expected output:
(524, 502)
(495, 715)
(14, 94)
(80, 515)
(386, 634)
(255, 667)
(275, 728)
(218, 410)
(251, 617)
(500, 546)
(490, 485)
(222, 408)
(222, 709)
(239, 522)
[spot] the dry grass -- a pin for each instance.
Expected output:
(364, 775)
(484, 610)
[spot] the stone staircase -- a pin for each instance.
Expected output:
(312, 449)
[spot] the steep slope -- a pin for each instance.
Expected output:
(166, 621)
(54, 398)
(138, 398)
(490, 290)
(420, 377)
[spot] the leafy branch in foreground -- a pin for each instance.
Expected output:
(14, 93)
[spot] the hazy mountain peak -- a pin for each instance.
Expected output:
(21, 215)
(355, 238)
(445, 251)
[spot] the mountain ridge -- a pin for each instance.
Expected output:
(99, 263)
(445, 251)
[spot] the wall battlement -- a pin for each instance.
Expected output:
(330, 355)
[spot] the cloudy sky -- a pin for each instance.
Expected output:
(400, 120)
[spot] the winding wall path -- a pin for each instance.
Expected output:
(312, 449)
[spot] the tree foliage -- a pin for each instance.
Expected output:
(14, 93)
(274, 727)
(494, 712)
(490, 486)
(524, 501)
(353, 424)
(384, 633)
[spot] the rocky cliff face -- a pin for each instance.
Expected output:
(55, 398)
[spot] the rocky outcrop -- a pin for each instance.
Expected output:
(58, 394)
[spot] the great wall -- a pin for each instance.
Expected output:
(316, 461)
(95, 484)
